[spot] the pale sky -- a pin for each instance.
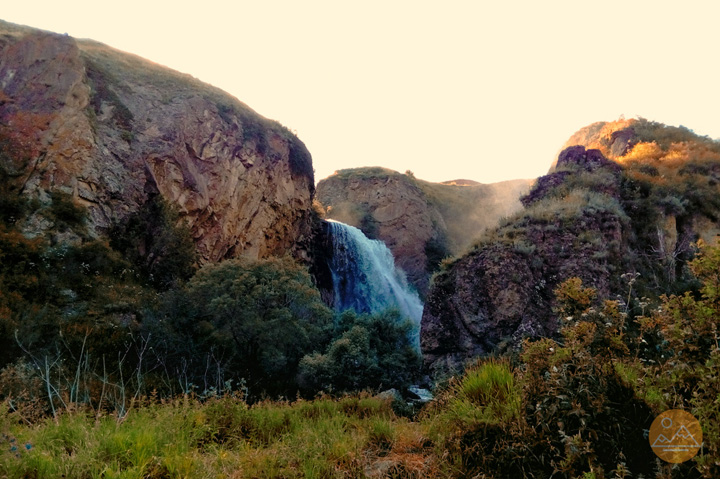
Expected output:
(484, 90)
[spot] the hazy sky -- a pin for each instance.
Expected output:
(454, 89)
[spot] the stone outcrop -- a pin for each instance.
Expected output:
(502, 290)
(112, 129)
(421, 222)
(630, 196)
(612, 138)
(571, 161)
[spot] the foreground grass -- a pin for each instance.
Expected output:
(565, 413)
(351, 437)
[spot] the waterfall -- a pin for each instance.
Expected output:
(365, 278)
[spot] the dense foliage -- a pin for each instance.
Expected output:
(123, 359)
(240, 320)
(106, 323)
(370, 351)
(157, 243)
(575, 407)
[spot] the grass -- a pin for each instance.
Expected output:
(348, 437)
(491, 420)
(223, 437)
(491, 388)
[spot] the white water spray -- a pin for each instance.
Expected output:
(365, 278)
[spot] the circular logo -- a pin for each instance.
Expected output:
(675, 436)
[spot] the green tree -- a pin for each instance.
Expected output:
(246, 320)
(369, 351)
(158, 243)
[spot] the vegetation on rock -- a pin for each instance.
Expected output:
(590, 217)
(584, 315)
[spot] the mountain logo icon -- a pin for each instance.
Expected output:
(675, 436)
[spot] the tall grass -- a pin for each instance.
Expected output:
(223, 437)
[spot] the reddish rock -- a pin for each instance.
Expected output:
(111, 129)
(502, 290)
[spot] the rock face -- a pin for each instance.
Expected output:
(112, 129)
(390, 207)
(421, 222)
(502, 290)
(572, 161)
(630, 196)
(613, 138)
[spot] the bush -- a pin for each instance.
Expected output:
(369, 351)
(13, 205)
(65, 213)
(436, 250)
(242, 320)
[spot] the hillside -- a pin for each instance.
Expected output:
(602, 220)
(420, 221)
(143, 215)
(112, 131)
(159, 318)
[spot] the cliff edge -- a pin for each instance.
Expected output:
(113, 130)
(630, 201)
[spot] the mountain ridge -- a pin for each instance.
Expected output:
(593, 217)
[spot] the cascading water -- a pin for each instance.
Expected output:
(365, 278)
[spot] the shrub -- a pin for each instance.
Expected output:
(369, 351)
(436, 250)
(64, 212)
(243, 319)
(13, 205)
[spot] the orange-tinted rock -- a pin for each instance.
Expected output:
(111, 128)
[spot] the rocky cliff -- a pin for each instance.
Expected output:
(592, 217)
(421, 222)
(113, 130)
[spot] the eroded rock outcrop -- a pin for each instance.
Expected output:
(625, 199)
(112, 129)
(502, 290)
